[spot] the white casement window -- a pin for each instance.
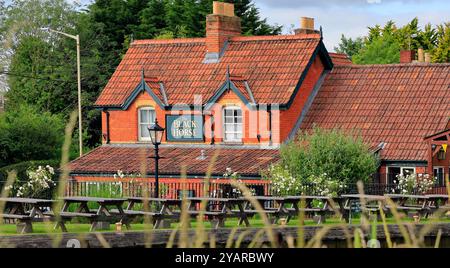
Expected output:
(147, 116)
(394, 171)
(232, 118)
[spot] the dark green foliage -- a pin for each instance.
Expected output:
(28, 134)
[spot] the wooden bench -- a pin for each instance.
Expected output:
(132, 214)
(15, 217)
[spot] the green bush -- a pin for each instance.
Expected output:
(26, 134)
(324, 159)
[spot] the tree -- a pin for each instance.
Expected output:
(380, 43)
(325, 155)
(382, 50)
(152, 20)
(26, 134)
(442, 52)
(349, 46)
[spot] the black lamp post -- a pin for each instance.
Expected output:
(156, 134)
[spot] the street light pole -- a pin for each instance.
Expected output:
(156, 171)
(156, 135)
(80, 125)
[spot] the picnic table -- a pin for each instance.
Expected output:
(26, 211)
(158, 209)
(417, 204)
(219, 209)
(95, 216)
(272, 206)
(438, 202)
(327, 206)
(353, 202)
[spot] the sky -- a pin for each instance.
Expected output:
(352, 17)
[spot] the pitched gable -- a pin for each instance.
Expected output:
(271, 64)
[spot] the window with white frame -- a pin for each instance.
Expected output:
(408, 171)
(394, 171)
(232, 124)
(147, 116)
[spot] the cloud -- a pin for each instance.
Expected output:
(334, 3)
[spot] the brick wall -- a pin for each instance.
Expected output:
(288, 118)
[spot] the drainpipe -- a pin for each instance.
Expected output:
(108, 139)
(213, 125)
(269, 109)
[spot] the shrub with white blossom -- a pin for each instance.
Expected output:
(285, 184)
(39, 181)
(414, 184)
(324, 185)
(232, 175)
(117, 187)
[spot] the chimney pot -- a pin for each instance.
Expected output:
(223, 9)
(407, 56)
(427, 57)
(421, 56)
(306, 26)
(307, 23)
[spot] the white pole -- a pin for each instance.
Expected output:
(79, 97)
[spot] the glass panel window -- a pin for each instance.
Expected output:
(439, 176)
(233, 124)
(147, 118)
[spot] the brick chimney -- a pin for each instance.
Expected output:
(220, 27)
(306, 26)
(407, 56)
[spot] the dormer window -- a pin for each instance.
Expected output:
(147, 117)
(232, 124)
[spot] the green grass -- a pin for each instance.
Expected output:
(42, 228)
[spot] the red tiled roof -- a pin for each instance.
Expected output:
(108, 159)
(272, 65)
(340, 59)
(396, 104)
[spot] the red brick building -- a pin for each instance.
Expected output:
(236, 99)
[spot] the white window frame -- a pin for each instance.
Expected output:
(403, 168)
(234, 108)
(401, 171)
(140, 124)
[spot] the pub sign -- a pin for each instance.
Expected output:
(184, 128)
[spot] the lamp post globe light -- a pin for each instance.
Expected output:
(156, 135)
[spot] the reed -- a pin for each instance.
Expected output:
(183, 236)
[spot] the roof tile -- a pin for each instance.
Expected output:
(396, 104)
(271, 64)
